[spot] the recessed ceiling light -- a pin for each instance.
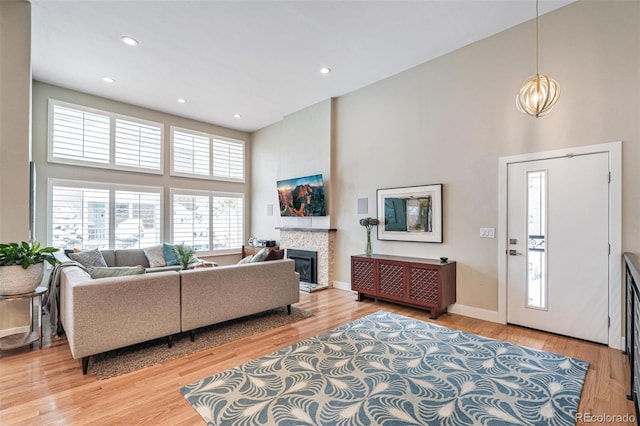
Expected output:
(237, 116)
(108, 80)
(129, 41)
(182, 100)
(325, 70)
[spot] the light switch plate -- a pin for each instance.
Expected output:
(487, 232)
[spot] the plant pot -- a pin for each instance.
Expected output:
(16, 280)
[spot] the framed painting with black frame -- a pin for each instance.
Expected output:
(412, 213)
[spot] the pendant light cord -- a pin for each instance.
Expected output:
(537, 71)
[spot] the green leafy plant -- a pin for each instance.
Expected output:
(186, 255)
(26, 254)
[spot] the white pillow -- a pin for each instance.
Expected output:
(155, 256)
(245, 260)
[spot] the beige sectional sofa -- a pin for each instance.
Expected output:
(102, 314)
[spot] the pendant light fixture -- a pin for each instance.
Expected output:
(539, 93)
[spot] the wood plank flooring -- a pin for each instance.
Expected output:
(46, 387)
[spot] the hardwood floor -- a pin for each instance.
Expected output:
(45, 387)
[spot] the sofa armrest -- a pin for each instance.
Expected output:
(109, 313)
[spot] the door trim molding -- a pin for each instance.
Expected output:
(614, 149)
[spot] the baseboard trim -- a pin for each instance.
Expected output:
(473, 312)
(341, 285)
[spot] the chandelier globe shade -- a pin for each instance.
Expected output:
(538, 95)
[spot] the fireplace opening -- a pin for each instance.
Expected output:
(306, 264)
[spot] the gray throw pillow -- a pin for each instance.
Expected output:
(89, 258)
(260, 256)
(245, 259)
(114, 272)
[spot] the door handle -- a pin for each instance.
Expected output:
(513, 252)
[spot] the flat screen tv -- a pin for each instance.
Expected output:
(303, 196)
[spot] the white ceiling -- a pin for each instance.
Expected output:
(260, 59)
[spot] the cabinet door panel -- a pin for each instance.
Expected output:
(391, 280)
(423, 285)
(363, 276)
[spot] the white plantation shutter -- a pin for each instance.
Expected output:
(191, 220)
(92, 215)
(137, 219)
(190, 153)
(79, 135)
(79, 217)
(228, 222)
(138, 145)
(228, 159)
(208, 221)
(88, 137)
(206, 156)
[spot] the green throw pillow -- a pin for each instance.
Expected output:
(170, 256)
(114, 272)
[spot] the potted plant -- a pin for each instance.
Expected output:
(22, 266)
(369, 223)
(185, 255)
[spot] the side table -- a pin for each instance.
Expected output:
(18, 340)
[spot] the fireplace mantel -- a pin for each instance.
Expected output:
(284, 228)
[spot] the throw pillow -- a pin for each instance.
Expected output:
(155, 256)
(275, 255)
(89, 258)
(260, 256)
(246, 259)
(114, 272)
(170, 256)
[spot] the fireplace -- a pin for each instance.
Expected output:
(306, 264)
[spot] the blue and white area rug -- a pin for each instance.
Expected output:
(389, 369)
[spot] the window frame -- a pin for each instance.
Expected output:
(211, 175)
(211, 195)
(111, 165)
(112, 188)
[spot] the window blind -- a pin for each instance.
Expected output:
(138, 145)
(80, 135)
(92, 215)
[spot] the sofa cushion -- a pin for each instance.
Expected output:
(275, 255)
(155, 256)
(110, 257)
(170, 256)
(118, 271)
(130, 257)
(89, 258)
(259, 256)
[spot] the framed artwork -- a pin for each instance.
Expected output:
(412, 213)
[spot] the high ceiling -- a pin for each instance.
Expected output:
(259, 59)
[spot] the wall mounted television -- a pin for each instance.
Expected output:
(303, 196)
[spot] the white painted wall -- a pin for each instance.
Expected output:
(447, 121)
(299, 145)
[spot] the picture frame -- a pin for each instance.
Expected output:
(412, 213)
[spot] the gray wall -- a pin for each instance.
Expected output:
(449, 120)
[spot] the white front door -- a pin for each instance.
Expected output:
(558, 245)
